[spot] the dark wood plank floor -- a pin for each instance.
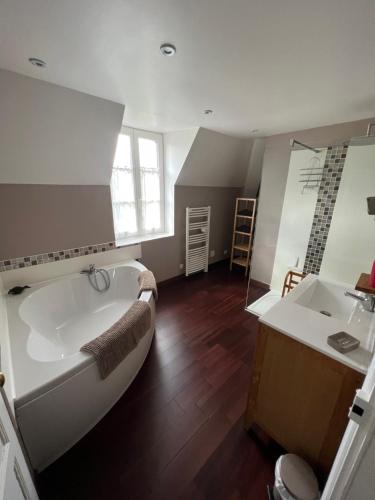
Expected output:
(178, 431)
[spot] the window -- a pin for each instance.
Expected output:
(137, 185)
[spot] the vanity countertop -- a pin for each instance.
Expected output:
(299, 316)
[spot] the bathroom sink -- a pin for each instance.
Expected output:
(340, 311)
(330, 300)
(318, 308)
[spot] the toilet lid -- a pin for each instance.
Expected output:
(298, 477)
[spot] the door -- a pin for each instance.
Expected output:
(15, 478)
(358, 438)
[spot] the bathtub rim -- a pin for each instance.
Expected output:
(60, 371)
(92, 417)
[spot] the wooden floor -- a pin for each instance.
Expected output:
(178, 431)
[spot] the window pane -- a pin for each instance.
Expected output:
(150, 186)
(151, 216)
(125, 218)
(122, 185)
(137, 188)
(123, 156)
(148, 153)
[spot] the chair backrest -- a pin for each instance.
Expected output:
(291, 280)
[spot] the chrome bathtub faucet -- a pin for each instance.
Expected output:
(368, 300)
(90, 270)
(92, 273)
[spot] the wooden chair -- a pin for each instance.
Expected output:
(292, 279)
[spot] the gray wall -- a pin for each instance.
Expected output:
(164, 256)
(273, 183)
(43, 218)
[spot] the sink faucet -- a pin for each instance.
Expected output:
(90, 270)
(368, 300)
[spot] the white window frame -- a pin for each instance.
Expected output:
(142, 234)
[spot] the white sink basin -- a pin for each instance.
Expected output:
(317, 308)
(329, 299)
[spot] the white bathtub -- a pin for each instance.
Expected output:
(59, 393)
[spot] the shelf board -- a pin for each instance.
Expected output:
(240, 232)
(243, 248)
(363, 284)
(244, 216)
(240, 261)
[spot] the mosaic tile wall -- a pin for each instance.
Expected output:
(327, 194)
(34, 260)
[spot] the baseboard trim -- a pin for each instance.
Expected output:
(170, 280)
(182, 275)
(260, 284)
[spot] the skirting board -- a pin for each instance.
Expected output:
(182, 275)
(260, 284)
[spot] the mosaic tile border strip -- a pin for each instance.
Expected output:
(44, 258)
(327, 194)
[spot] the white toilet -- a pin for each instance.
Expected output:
(294, 479)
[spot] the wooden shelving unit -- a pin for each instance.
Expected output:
(243, 231)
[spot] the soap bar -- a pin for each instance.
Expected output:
(343, 342)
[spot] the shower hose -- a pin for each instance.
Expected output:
(94, 280)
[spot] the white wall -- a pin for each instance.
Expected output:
(363, 485)
(352, 473)
(216, 160)
(54, 135)
(176, 149)
(350, 248)
(296, 219)
(272, 190)
(254, 170)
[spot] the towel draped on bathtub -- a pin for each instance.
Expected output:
(112, 346)
(147, 283)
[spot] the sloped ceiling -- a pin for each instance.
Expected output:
(216, 160)
(53, 135)
(177, 146)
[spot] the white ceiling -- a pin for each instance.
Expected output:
(272, 65)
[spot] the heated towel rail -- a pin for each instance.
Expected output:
(197, 239)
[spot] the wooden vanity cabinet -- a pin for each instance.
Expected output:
(300, 397)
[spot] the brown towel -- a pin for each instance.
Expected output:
(112, 346)
(147, 283)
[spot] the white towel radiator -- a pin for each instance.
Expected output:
(197, 239)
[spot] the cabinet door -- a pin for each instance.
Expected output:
(15, 479)
(300, 397)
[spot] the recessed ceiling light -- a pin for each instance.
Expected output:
(37, 62)
(208, 111)
(167, 49)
